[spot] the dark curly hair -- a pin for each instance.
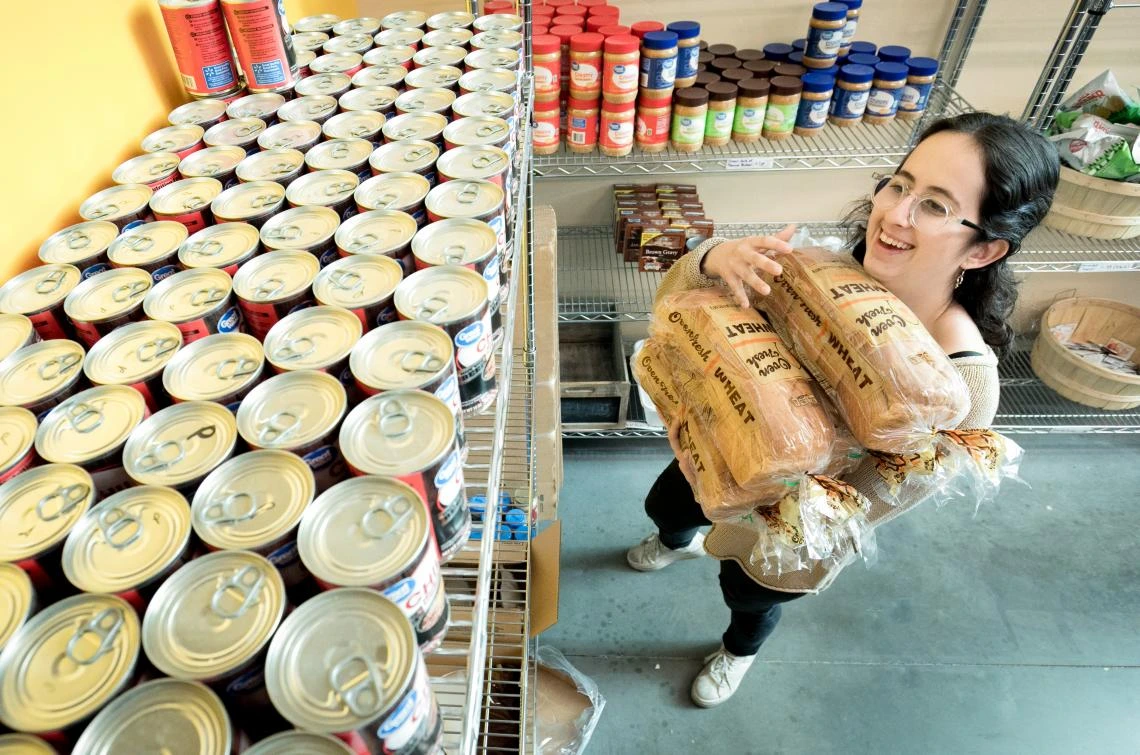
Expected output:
(1022, 170)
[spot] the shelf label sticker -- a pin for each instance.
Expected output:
(1108, 266)
(750, 163)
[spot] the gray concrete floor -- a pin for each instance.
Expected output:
(1017, 631)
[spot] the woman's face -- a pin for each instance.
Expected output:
(949, 166)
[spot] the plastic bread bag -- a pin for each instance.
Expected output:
(653, 371)
(890, 381)
(557, 733)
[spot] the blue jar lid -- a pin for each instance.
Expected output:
(829, 11)
(863, 59)
(832, 71)
(891, 71)
(777, 51)
(659, 40)
(515, 518)
(817, 81)
(863, 48)
(856, 74)
(852, 4)
(922, 66)
(685, 29)
(894, 53)
(796, 57)
(799, 45)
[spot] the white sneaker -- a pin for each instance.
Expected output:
(651, 554)
(720, 677)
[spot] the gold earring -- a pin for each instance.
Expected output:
(961, 277)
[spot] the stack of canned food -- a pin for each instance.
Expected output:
(232, 402)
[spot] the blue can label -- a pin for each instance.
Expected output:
(658, 73)
(286, 555)
(320, 458)
(163, 272)
(686, 61)
(132, 224)
(230, 321)
(93, 270)
(329, 256)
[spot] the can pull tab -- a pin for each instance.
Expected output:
(339, 150)
(432, 308)
(247, 129)
(231, 509)
(337, 188)
(162, 168)
(364, 241)
(120, 527)
(386, 517)
(65, 498)
(290, 232)
(129, 291)
(278, 427)
(405, 133)
(269, 288)
(83, 417)
(245, 584)
(57, 367)
(359, 683)
(395, 420)
(454, 254)
(51, 282)
(234, 368)
(79, 239)
(263, 200)
(347, 280)
(294, 349)
(503, 61)
(281, 168)
(106, 210)
(193, 202)
(104, 627)
(489, 129)
(413, 361)
(359, 131)
(161, 456)
(486, 161)
(207, 248)
(468, 194)
(140, 242)
(387, 199)
(156, 348)
(416, 153)
(411, 107)
(204, 297)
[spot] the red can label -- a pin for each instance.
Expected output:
(48, 325)
(264, 48)
(195, 220)
(87, 332)
(24, 463)
(201, 48)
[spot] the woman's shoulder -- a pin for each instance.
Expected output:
(956, 332)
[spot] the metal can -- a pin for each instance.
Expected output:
(38, 508)
(213, 162)
(379, 232)
(318, 338)
(135, 356)
(434, 77)
(17, 444)
(262, 106)
(322, 22)
(305, 229)
(358, 124)
(299, 412)
(223, 368)
(253, 203)
(378, 99)
(497, 38)
(380, 76)
(99, 305)
(429, 100)
(475, 162)
(152, 247)
(17, 604)
(280, 165)
(305, 58)
(325, 188)
(296, 742)
(318, 84)
(403, 19)
(362, 25)
(261, 38)
(364, 285)
(25, 744)
(341, 154)
(124, 205)
(90, 429)
(474, 199)
(38, 294)
(443, 55)
(154, 169)
(201, 48)
(469, 243)
(347, 63)
(16, 332)
(416, 126)
(211, 622)
(225, 246)
(482, 130)
(298, 135)
(180, 445)
(410, 354)
(455, 298)
(358, 44)
(308, 41)
(254, 502)
(493, 57)
(198, 302)
(83, 245)
(66, 663)
(273, 285)
(181, 140)
(406, 37)
(41, 376)
(489, 80)
(499, 104)
(168, 715)
(233, 96)
(402, 191)
(497, 21)
(388, 545)
(317, 108)
(410, 435)
(187, 201)
(454, 37)
(398, 55)
(457, 19)
(128, 544)
(236, 132)
(355, 647)
(204, 113)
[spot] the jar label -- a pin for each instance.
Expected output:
(652, 129)
(883, 101)
(823, 43)
(622, 79)
(688, 129)
(812, 113)
(658, 73)
(582, 131)
(545, 133)
(687, 61)
(617, 133)
(848, 104)
(546, 79)
(849, 31)
(584, 76)
(749, 120)
(779, 118)
(718, 123)
(915, 96)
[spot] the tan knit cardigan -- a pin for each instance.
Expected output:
(729, 541)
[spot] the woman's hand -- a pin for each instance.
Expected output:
(738, 263)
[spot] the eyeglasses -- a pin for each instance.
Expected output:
(928, 213)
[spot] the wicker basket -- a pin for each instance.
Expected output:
(1096, 320)
(1095, 207)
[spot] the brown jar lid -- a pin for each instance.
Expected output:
(785, 85)
(746, 55)
(691, 97)
(736, 75)
(754, 88)
(721, 91)
(722, 51)
(761, 69)
(724, 64)
(702, 45)
(704, 58)
(790, 69)
(704, 78)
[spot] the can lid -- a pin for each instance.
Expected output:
(303, 228)
(891, 71)
(489, 80)
(322, 188)
(248, 200)
(126, 541)
(396, 191)
(187, 294)
(641, 28)
(794, 70)
(322, 22)
(16, 600)
(829, 11)
(414, 126)
(132, 353)
(314, 338)
(352, 646)
(455, 241)
(497, 38)
(298, 742)
(777, 51)
(214, 367)
(173, 138)
(588, 42)
(474, 161)
(349, 43)
(724, 64)
(187, 195)
(374, 98)
(147, 243)
(39, 370)
(170, 715)
(116, 202)
(180, 444)
(271, 165)
(691, 97)
(441, 295)
(395, 55)
(211, 161)
(465, 198)
(785, 85)
(289, 135)
(90, 425)
(332, 83)
(454, 36)
(816, 81)
(685, 29)
(17, 435)
(922, 66)
(308, 41)
(235, 132)
(481, 129)
(362, 25)
(432, 76)
(292, 410)
(500, 20)
(402, 18)
(307, 108)
(379, 75)
(338, 154)
(494, 57)
(197, 112)
(253, 500)
(856, 74)
(15, 332)
(544, 44)
(358, 280)
(442, 55)
(894, 53)
(357, 124)
(39, 507)
(399, 432)
(146, 168)
(213, 615)
(376, 231)
(262, 105)
(564, 33)
(109, 295)
(736, 75)
(863, 59)
(431, 99)
(501, 104)
(274, 276)
(408, 35)
(78, 242)
(98, 635)
(455, 19)
(722, 91)
(218, 245)
(621, 44)
(403, 354)
(865, 48)
(754, 87)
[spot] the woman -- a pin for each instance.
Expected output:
(938, 234)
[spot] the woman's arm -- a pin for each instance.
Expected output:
(735, 263)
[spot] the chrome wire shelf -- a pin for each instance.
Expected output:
(862, 146)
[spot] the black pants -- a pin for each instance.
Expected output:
(755, 609)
